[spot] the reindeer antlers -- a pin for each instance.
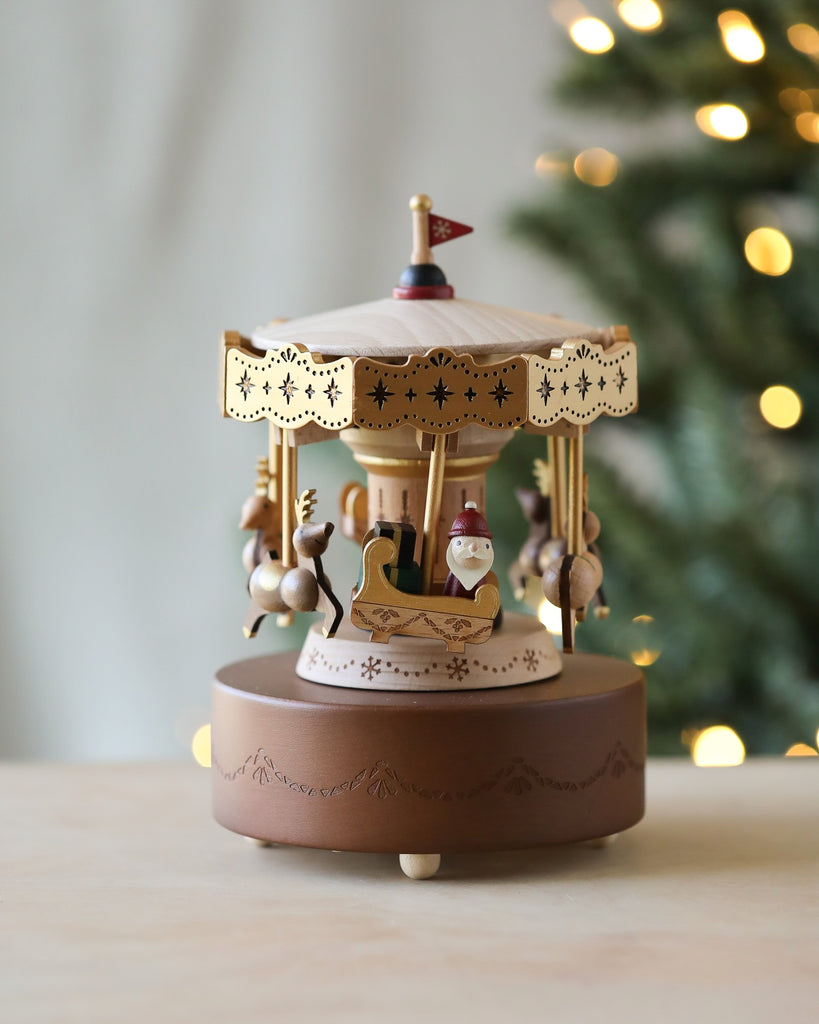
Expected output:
(305, 503)
(541, 473)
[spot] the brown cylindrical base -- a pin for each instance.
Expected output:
(552, 762)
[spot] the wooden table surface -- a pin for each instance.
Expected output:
(120, 901)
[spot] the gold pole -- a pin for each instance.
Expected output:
(557, 484)
(289, 483)
(432, 509)
(287, 492)
(274, 467)
(575, 532)
(574, 536)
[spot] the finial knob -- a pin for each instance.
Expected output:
(421, 203)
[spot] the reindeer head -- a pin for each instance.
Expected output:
(256, 512)
(310, 539)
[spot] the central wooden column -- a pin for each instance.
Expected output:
(397, 478)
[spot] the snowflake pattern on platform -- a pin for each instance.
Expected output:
(457, 669)
(370, 668)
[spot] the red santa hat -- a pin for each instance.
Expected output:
(470, 523)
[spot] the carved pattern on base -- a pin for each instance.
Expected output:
(517, 778)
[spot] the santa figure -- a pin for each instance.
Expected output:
(470, 553)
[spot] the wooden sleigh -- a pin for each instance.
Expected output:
(380, 607)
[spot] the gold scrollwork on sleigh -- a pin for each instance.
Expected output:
(381, 608)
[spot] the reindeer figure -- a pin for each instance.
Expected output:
(263, 515)
(275, 587)
(543, 550)
(537, 508)
(310, 541)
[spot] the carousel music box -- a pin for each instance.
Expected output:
(419, 717)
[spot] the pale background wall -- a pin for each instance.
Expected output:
(167, 170)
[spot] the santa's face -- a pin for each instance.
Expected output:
(472, 552)
(470, 558)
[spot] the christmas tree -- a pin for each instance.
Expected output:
(708, 248)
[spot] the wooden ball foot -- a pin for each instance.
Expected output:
(420, 865)
(601, 842)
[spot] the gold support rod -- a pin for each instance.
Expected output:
(575, 544)
(274, 465)
(432, 509)
(575, 529)
(557, 483)
(288, 496)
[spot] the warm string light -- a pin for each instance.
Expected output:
(717, 747)
(597, 167)
(804, 38)
(807, 125)
(794, 101)
(740, 38)
(591, 34)
(200, 746)
(802, 104)
(566, 11)
(780, 406)
(550, 616)
(547, 165)
(800, 750)
(643, 641)
(641, 15)
(768, 251)
(722, 121)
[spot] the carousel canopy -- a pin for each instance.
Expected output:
(397, 328)
(428, 360)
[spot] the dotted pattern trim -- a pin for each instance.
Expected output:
(439, 392)
(581, 381)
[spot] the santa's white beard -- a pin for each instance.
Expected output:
(468, 578)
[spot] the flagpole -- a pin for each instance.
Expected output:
(421, 251)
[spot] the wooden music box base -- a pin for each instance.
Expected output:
(420, 774)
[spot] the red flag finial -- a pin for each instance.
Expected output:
(422, 279)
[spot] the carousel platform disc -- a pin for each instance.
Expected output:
(521, 651)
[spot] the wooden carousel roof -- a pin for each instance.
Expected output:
(428, 360)
(437, 391)
(396, 328)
